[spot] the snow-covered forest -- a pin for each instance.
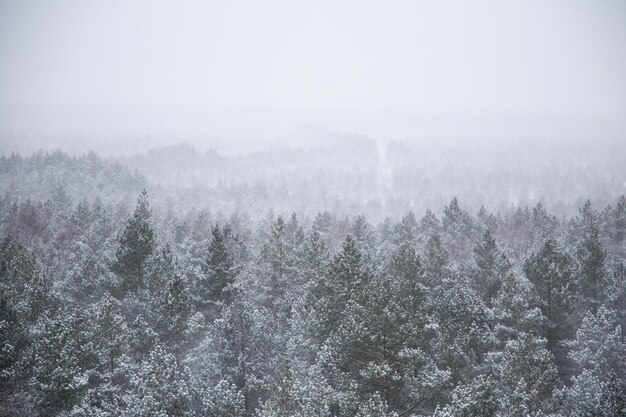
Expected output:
(278, 208)
(184, 283)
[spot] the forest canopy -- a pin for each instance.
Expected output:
(185, 283)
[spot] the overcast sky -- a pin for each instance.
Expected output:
(319, 61)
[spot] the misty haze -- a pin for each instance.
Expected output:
(320, 209)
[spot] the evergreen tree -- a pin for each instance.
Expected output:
(515, 310)
(276, 267)
(619, 220)
(25, 295)
(374, 407)
(551, 272)
(405, 265)
(591, 395)
(315, 397)
(542, 225)
(487, 220)
(457, 221)
(136, 244)
(220, 267)
(12, 341)
(142, 337)
(436, 260)
(429, 225)
(314, 258)
(616, 295)
(345, 280)
(236, 350)
(223, 400)
(598, 345)
(458, 226)
(63, 357)
(110, 334)
(591, 257)
(381, 347)
(18, 268)
(492, 266)
(174, 313)
(476, 398)
(160, 388)
(463, 336)
(598, 352)
(364, 238)
(586, 220)
(86, 285)
(527, 378)
(406, 230)
(158, 270)
(107, 384)
(282, 401)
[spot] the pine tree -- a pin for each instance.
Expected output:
(406, 230)
(160, 388)
(158, 270)
(344, 281)
(586, 220)
(375, 407)
(87, 283)
(136, 244)
(276, 268)
(515, 310)
(436, 260)
(590, 395)
(315, 397)
(282, 401)
(458, 226)
(616, 295)
(12, 341)
(542, 225)
(405, 266)
(476, 398)
(598, 345)
(429, 225)
(492, 266)
(364, 238)
(294, 232)
(111, 334)
(463, 334)
(591, 256)
(551, 272)
(220, 267)
(619, 220)
(238, 351)
(63, 355)
(380, 347)
(487, 220)
(222, 400)
(527, 378)
(598, 353)
(174, 313)
(25, 295)
(456, 220)
(314, 258)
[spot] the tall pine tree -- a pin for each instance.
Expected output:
(136, 244)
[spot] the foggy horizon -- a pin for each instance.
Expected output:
(250, 73)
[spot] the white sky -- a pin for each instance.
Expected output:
(564, 58)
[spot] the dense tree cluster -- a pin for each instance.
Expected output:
(107, 310)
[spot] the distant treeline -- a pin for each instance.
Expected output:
(344, 175)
